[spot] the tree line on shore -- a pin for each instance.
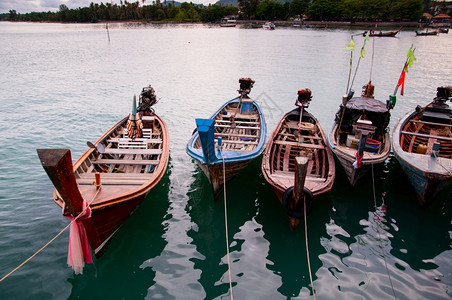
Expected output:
(326, 10)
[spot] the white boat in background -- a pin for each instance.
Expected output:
(226, 22)
(269, 26)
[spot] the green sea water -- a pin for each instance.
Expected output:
(64, 84)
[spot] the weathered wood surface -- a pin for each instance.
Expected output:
(126, 176)
(279, 161)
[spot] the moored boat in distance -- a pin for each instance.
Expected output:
(422, 143)
(228, 22)
(226, 142)
(382, 33)
(114, 175)
(359, 137)
(426, 32)
(298, 135)
(269, 26)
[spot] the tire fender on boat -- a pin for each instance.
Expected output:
(289, 205)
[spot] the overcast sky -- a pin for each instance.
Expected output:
(25, 6)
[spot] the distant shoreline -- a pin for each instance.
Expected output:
(305, 23)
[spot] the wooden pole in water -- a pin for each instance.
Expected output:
(301, 164)
(108, 33)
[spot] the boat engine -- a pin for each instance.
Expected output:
(443, 93)
(304, 98)
(147, 99)
(246, 84)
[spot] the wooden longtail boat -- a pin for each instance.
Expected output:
(427, 32)
(114, 175)
(382, 33)
(422, 143)
(360, 137)
(298, 134)
(232, 136)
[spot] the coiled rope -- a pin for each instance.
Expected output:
(379, 234)
(53, 239)
(226, 222)
(307, 249)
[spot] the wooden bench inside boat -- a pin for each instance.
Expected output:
(239, 142)
(302, 145)
(142, 143)
(238, 122)
(106, 161)
(285, 174)
(133, 151)
(115, 178)
(428, 135)
(236, 135)
(147, 133)
(238, 126)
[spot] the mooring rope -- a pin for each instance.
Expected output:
(226, 223)
(439, 163)
(379, 234)
(307, 249)
(53, 239)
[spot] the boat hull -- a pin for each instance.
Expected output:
(347, 156)
(278, 163)
(118, 195)
(240, 125)
(215, 174)
(428, 174)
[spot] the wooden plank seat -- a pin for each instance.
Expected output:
(431, 123)
(236, 135)
(107, 161)
(302, 145)
(147, 118)
(115, 178)
(301, 136)
(237, 122)
(239, 127)
(117, 175)
(133, 151)
(246, 116)
(147, 133)
(141, 143)
(428, 135)
(239, 142)
(149, 141)
(285, 174)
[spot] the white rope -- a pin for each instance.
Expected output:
(53, 239)
(226, 223)
(307, 248)
(379, 234)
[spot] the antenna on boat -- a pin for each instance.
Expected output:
(361, 55)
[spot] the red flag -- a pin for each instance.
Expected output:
(401, 82)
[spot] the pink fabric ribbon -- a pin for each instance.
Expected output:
(78, 250)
